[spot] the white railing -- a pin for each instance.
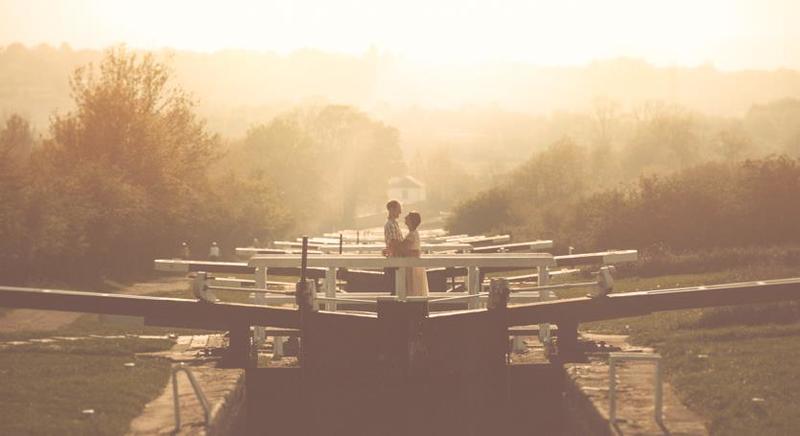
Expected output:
(472, 262)
(331, 296)
(356, 248)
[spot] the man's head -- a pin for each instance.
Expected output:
(394, 209)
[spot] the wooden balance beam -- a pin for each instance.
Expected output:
(167, 312)
(530, 246)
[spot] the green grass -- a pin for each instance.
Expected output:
(719, 359)
(45, 387)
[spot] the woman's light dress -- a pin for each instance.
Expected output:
(416, 278)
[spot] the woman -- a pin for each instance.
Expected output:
(416, 278)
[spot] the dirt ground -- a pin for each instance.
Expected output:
(46, 320)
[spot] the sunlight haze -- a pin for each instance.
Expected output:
(730, 35)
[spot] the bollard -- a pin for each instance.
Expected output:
(200, 288)
(213, 251)
(199, 285)
(605, 281)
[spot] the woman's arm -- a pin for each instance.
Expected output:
(402, 247)
(408, 247)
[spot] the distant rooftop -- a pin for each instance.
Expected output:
(405, 182)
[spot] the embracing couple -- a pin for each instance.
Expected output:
(408, 246)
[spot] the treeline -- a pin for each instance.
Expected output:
(712, 205)
(329, 163)
(561, 194)
(132, 172)
(124, 177)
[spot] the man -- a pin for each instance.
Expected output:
(393, 238)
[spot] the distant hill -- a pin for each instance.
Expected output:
(237, 89)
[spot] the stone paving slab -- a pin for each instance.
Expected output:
(635, 393)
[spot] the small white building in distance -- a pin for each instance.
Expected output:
(406, 189)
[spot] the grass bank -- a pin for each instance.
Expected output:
(737, 367)
(46, 387)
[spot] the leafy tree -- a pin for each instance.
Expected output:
(776, 125)
(488, 211)
(16, 141)
(131, 161)
(283, 153)
(445, 178)
(534, 201)
(252, 205)
(734, 144)
(327, 162)
(705, 206)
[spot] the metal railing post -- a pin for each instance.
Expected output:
(659, 394)
(613, 359)
(198, 392)
(612, 391)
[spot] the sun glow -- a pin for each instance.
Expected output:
(730, 34)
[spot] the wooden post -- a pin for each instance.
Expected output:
(259, 298)
(543, 278)
(497, 304)
(330, 288)
(239, 347)
(473, 285)
(401, 324)
(400, 283)
(305, 296)
(568, 339)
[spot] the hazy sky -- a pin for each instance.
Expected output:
(731, 34)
